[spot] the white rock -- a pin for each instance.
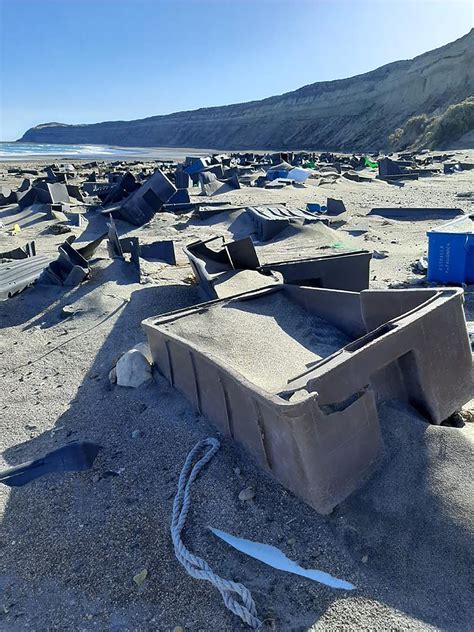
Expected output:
(144, 349)
(133, 369)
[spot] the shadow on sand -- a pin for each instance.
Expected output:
(72, 543)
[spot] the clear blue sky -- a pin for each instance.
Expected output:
(81, 61)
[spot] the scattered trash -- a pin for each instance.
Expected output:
(88, 250)
(217, 269)
(145, 201)
(370, 163)
(156, 251)
(7, 196)
(73, 457)
(179, 202)
(211, 185)
(59, 229)
(451, 168)
(356, 229)
(298, 174)
(159, 251)
(335, 207)
(407, 213)
(206, 211)
(19, 274)
(346, 271)
(114, 246)
(271, 220)
(289, 358)
(273, 557)
(355, 176)
(420, 266)
(22, 252)
(394, 170)
(69, 269)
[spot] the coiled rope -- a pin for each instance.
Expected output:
(237, 597)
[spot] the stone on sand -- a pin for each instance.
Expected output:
(133, 369)
(144, 349)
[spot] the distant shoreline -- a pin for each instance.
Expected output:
(19, 152)
(75, 152)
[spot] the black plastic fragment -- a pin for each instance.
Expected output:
(73, 457)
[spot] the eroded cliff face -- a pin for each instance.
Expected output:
(349, 114)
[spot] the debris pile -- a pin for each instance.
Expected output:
(286, 328)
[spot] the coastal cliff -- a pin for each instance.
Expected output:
(358, 113)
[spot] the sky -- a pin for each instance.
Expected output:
(85, 61)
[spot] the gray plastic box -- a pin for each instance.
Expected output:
(318, 433)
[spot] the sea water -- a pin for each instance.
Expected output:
(36, 151)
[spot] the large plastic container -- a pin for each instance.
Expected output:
(451, 252)
(317, 431)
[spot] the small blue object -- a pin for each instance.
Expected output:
(451, 252)
(312, 207)
(274, 174)
(195, 165)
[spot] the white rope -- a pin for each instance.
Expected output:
(195, 566)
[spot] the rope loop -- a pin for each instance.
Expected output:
(237, 597)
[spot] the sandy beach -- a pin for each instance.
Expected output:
(71, 544)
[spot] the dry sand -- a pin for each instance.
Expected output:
(71, 544)
(269, 340)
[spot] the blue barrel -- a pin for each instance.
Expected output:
(451, 252)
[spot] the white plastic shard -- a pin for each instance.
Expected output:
(274, 557)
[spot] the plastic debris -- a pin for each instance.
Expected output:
(18, 274)
(379, 254)
(370, 163)
(73, 457)
(275, 558)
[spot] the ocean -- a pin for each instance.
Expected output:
(37, 151)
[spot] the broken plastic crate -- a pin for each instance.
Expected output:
(17, 275)
(415, 213)
(145, 201)
(451, 252)
(269, 221)
(347, 271)
(213, 268)
(294, 374)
